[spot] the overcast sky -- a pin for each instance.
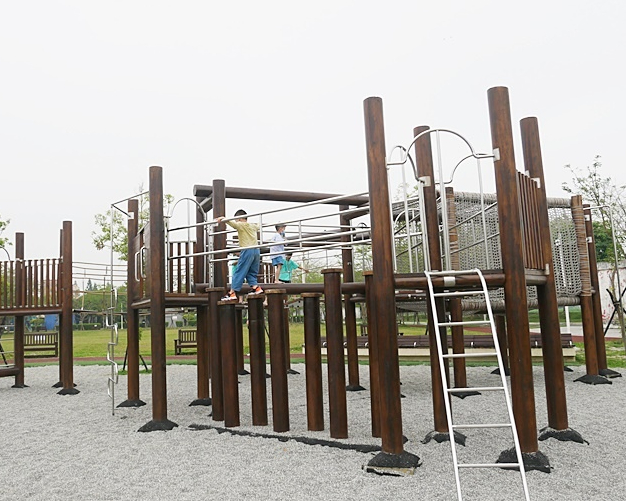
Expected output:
(270, 94)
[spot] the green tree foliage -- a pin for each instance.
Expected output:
(608, 199)
(4, 241)
(113, 229)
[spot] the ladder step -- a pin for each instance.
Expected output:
(469, 355)
(468, 322)
(458, 293)
(489, 465)
(485, 425)
(479, 388)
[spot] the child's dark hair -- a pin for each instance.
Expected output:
(241, 212)
(279, 226)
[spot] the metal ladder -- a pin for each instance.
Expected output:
(449, 282)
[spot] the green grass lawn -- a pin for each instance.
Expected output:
(93, 343)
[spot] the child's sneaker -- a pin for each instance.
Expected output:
(255, 290)
(231, 296)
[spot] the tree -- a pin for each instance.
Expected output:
(608, 199)
(3, 240)
(113, 231)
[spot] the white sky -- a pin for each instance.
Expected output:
(270, 94)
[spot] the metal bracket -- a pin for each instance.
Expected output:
(496, 154)
(425, 180)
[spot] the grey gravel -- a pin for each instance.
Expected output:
(72, 447)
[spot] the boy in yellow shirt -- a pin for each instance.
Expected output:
(249, 259)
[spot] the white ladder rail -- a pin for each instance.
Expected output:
(447, 391)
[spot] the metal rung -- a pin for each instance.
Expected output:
(479, 388)
(489, 465)
(468, 322)
(458, 293)
(469, 355)
(486, 425)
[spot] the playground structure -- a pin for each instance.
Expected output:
(521, 261)
(37, 287)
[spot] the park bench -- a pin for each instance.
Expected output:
(40, 342)
(186, 339)
(470, 341)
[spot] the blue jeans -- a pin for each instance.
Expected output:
(247, 267)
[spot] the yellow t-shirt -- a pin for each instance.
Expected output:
(246, 231)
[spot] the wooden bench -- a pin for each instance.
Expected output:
(186, 339)
(42, 342)
(469, 340)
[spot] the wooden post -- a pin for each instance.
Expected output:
(509, 217)
(313, 361)
(586, 304)
(132, 314)
(18, 336)
(424, 161)
(229, 363)
(156, 265)
(349, 307)
(278, 363)
(603, 369)
(546, 294)
(220, 278)
(257, 360)
(337, 404)
(500, 321)
(372, 341)
(65, 328)
(382, 316)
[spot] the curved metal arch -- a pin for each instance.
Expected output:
(407, 155)
(171, 212)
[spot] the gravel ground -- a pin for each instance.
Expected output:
(72, 447)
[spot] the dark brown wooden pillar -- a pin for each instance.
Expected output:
(66, 346)
(500, 321)
(586, 303)
(522, 388)
(18, 337)
(219, 242)
(595, 295)
(229, 363)
(546, 294)
(257, 360)
(337, 404)
(372, 341)
(156, 266)
(278, 362)
(313, 361)
(382, 316)
(349, 307)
